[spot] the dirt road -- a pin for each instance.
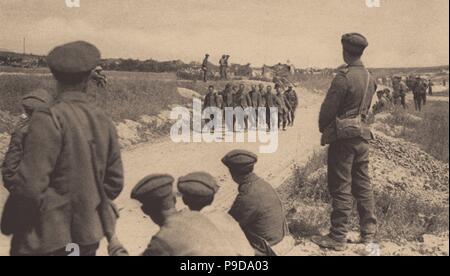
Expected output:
(295, 145)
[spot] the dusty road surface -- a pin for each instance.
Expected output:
(295, 145)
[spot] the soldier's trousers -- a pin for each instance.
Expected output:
(418, 102)
(348, 178)
(282, 119)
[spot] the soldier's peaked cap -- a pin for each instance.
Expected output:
(155, 186)
(354, 43)
(198, 184)
(75, 57)
(239, 158)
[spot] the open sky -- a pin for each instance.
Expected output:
(306, 32)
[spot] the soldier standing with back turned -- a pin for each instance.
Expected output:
(71, 168)
(347, 103)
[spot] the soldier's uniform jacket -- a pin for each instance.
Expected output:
(263, 98)
(227, 96)
(282, 103)
(256, 99)
(399, 89)
(205, 64)
(231, 229)
(291, 96)
(189, 233)
(419, 87)
(56, 179)
(14, 155)
(345, 96)
(212, 100)
(259, 211)
(242, 99)
(270, 100)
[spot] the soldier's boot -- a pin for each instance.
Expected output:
(328, 242)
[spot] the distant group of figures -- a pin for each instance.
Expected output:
(259, 98)
(223, 67)
(419, 86)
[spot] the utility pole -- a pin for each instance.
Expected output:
(24, 46)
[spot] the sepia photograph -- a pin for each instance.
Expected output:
(211, 128)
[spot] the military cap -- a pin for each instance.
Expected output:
(155, 186)
(198, 184)
(237, 158)
(75, 57)
(354, 43)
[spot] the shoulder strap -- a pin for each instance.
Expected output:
(364, 99)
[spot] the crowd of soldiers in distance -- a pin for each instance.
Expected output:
(419, 86)
(259, 96)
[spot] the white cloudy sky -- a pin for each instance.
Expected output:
(307, 32)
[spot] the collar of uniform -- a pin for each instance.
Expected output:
(357, 63)
(246, 180)
(73, 96)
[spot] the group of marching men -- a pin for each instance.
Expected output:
(259, 97)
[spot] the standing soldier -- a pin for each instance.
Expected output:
(284, 108)
(263, 94)
(36, 100)
(292, 98)
(400, 89)
(205, 66)
(212, 99)
(257, 208)
(223, 67)
(226, 64)
(71, 168)
(181, 233)
(342, 122)
(228, 103)
(242, 99)
(270, 100)
(420, 93)
(256, 103)
(430, 87)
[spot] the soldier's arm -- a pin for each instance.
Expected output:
(12, 159)
(330, 106)
(242, 211)
(42, 146)
(288, 104)
(296, 98)
(113, 180)
(157, 247)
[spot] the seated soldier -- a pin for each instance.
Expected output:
(257, 208)
(184, 233)
(382, 104)
(198, 190)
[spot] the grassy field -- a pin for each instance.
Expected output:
(431, 132)
(127, 96)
